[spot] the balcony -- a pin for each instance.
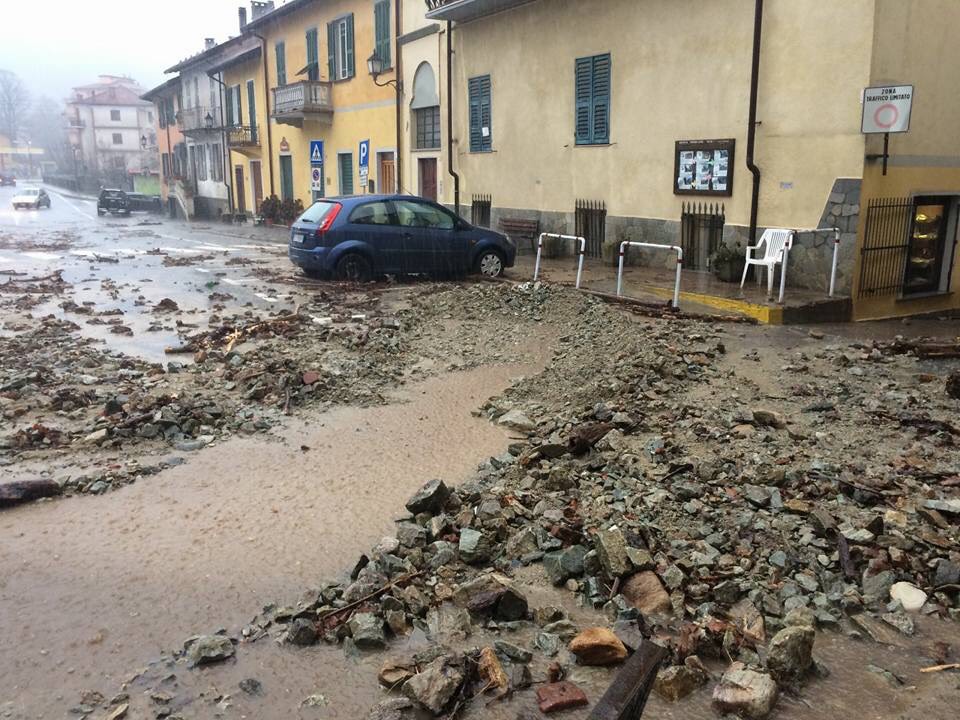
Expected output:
(295, 102)
(198, 119)
(243, 136)
(467, 10)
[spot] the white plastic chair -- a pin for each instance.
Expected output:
(776, 243)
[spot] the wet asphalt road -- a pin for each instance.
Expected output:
(131, 263)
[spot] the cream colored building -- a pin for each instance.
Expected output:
(643, 106)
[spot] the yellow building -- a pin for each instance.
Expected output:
(309, 83)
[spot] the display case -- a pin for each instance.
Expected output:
(924, 263)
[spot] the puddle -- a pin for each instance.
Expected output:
(93, 587)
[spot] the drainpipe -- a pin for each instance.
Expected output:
(456, 178)
(752, 122)
(266, 102)
(398, 167)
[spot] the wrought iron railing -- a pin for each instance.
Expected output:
(886, 243)
(701, 230)
(243, 136)
(307, 96)
(198, 118)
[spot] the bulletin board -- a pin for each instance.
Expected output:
(703, 167)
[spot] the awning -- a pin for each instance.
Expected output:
(467, 10)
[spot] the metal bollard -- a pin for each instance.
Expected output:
(676, 248)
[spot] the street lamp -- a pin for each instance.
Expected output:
(375, 66)
(208, 121)
(143, 142)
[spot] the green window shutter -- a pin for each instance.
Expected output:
(480, 114)
(229, 101)
(331, 51)
(346, 173)
(600, 105)
(381, 17)
(252, 109)
(584, 96)
(238, 99)
(281, 64)
(476, 136)
(313, 71)
(350, 63)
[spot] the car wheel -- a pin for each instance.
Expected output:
(489, 263)
(354, 267)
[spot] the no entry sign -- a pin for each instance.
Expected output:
(886, 109)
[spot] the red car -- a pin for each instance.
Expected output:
(7, 180)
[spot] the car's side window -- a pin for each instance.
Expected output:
(374, 213)
(415, 214)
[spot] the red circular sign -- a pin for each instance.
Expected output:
(886, 115)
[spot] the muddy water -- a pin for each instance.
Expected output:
(91, 587)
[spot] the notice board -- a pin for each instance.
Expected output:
(703, 167)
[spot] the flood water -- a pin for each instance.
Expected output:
(92, 587)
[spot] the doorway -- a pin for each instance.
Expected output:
(428, 178)
(240, 190)
(286, 177)
(257, 179)
(387, 172)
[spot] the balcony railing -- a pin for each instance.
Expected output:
(198, 118)
(291, 103)
(243, 136)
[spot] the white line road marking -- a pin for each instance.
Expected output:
(42, 256)
(75, 208)
(186, 251)
(201, 270)
(229, 281)
(266, 297)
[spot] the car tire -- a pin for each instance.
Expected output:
(354, 267)
(489, 263)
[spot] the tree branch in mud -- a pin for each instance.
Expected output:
(232, 334)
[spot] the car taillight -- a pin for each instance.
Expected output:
(328, 220)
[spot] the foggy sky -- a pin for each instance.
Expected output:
(54, 45)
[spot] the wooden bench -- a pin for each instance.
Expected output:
(518, 229)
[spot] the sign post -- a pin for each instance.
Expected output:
(364, 157)
(886, 110)
(316, 168)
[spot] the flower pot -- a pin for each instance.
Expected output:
(729, 270)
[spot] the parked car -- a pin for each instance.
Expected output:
(357, 238)
(144, 203)
(113, 201)
(31, 197)
(7, 180)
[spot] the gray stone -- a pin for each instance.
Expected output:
(757, 495)
(411, 535)
(435, 685)
(946, 573)
(876, 587)
(901, 621)
(547, 643)
(389, 709)
(673, 577)
(564, 564)
(628, 632)
(521, 543)
(366, 629)
(474, 546)
(251, 686)
(790, 653)
(612, 550)
(678, 681)
(746, 693)
(430, 498)
(206, 649)
(301, 632)
(512, 652)
(448, 621)
(517, 420)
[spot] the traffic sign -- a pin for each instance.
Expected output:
(316, 152)
(316, 179)
(886, 109)
(364, 155)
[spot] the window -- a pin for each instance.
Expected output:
(115, 115)
(340, 60)
(428, 127)
(592, 117)
(119, 163)
(165, 163)
(381, 22)
(926, 268)
(415, 214)
(481, 134)
(161, 114)
(117, 139)
(233, 109)
(252, 109)
(281, 50)
(375, 213)
(313, 55)
(201, 162)
(150, 116)
(196, 92)
(345, 162)
(216, 163)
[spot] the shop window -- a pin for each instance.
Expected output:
(930, 245)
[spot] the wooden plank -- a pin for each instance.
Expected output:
(21, 491)
(627, 695)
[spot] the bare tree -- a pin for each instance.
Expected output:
(45, 127)
(14, 104)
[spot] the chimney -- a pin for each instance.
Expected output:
(242, 12)
(209, 43)
(260, 7)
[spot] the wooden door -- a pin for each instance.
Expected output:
(387, 173)
(257, 181)
(428, 178)
(240, 190)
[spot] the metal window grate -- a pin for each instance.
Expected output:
(591, 223)
(701, 229)
(480, 210)
(886, 241)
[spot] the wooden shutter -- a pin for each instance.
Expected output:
(584, 97)
(331, 51)
(281, 64)
(600, 105)
(229, 102)
(381, 18)
(252, 109)
(476, 135)
(313, 67)
(238, 99)
(350, 63)
(480, 114)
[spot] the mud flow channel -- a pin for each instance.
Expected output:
(94, 586)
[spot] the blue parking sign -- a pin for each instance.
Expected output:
(316, 152)
(364, 155)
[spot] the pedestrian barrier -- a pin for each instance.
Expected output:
(679, 251)
(836, 250)
(581, 251)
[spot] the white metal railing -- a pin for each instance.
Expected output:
(677, 248)
(581, 251)
(304, 96)
(833, 264)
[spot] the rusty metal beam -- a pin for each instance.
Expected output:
(627, 695)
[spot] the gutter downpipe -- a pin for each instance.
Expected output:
(266, 101)
(456, 177)
(398, 15)
(752, 122)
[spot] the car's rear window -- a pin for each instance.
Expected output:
(31, 191)
(112, 194)
(317, 212)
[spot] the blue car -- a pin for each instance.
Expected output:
(359, 238)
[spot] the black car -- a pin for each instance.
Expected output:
(113, 201)
(7, 180)
(144, 203)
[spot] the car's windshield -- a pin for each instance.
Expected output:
(31, 191)
(317, 212)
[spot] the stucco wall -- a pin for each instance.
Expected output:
(239, 75)
(680, 71)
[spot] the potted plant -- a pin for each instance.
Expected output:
(727, 262)
(269, 209)
(289, 211)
